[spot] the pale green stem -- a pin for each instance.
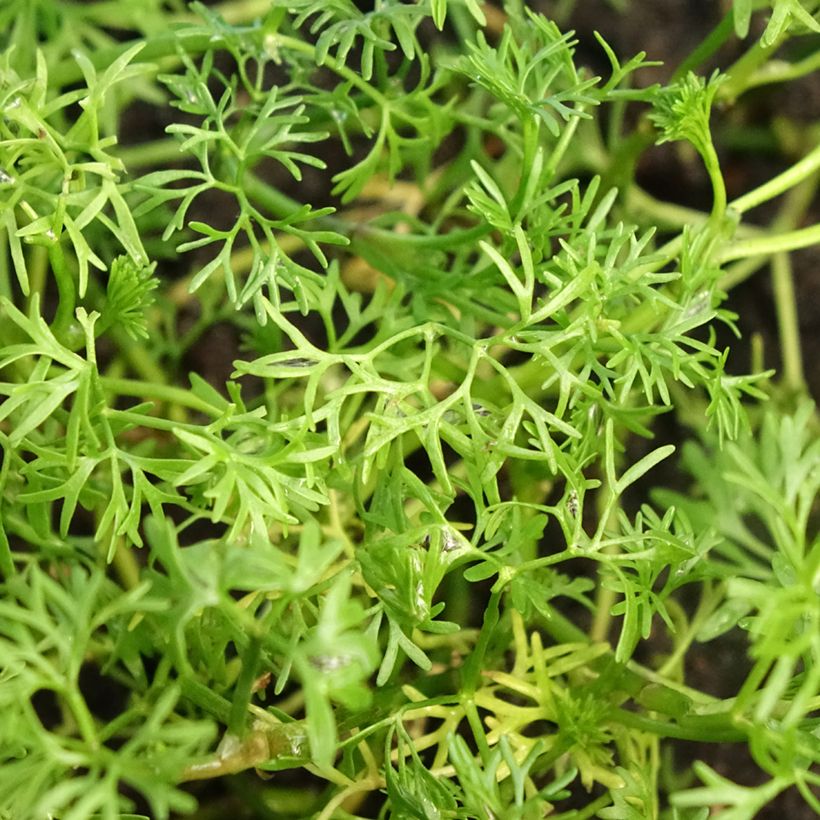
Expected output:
(163, 392)
(740, 272)
(709, 600)
(546, 561)
(157, 152)
(141, 420)
(781, 71)
(604, 596)
(712, 163)
(473, 718)
(740, 74)
(591, 810)
(677, 216)
(795, 205)
(717, 728)
(84, 718)
(768, 245)
(788, 323)
(240, 11)
(661, 212)
(126, 565)
(66, 289)
(560, 148)
(779, 184)
(141, 360)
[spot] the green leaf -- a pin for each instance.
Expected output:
(742, 15)
(129, 295)
(640, 468)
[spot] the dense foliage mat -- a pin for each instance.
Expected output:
(332, 343)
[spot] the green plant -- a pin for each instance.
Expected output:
(409, 546)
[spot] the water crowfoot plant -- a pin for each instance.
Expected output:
(369, 436)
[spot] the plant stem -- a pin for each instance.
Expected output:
(472, 668)
(149, 154)
(564, 141)
(709, 600)
(238, 11)
(6, 557)
(605, 597)
(163, 45)
(243, 691)
(788, 323)
(768, 245)
(659, 211)
(779, 184)
(142, 361)
(717, 728)
(712, 162)
(590, 810)
(796, 203)
(471, 713)
(708, 46)
(781, 71)
(546, 561)
(278, 204)
(529, 141)
(204, 697)
(66, 289)
(445, 241)
(141, 420)
(126, 565)
(84, 718)
(163, 392)
(741, 71)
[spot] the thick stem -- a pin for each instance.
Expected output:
(472, 668)
(605, 597)
(788, 323)
(795, 205)
(708, 46)
(768, 245)
(712, 162)
(66, 289)
(126, 565)
(779, 184)
(716, 728)
(740, 74)
(163, 392)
